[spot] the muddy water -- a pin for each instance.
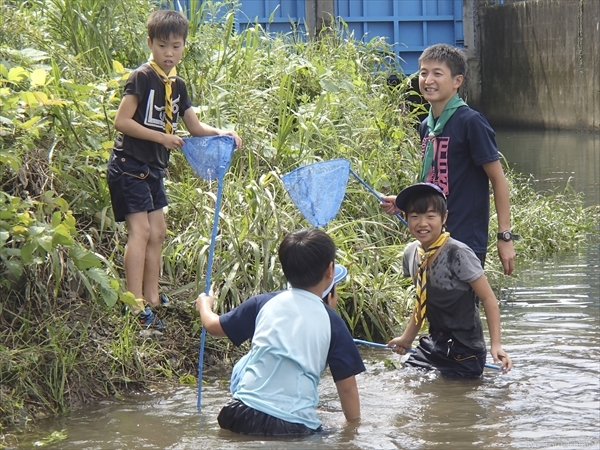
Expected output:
(551, 400)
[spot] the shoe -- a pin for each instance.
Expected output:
(164, 300)
(148, 320)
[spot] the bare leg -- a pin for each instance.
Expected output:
(138, 235)
(158, 230)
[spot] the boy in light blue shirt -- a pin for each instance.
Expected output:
(295, 335)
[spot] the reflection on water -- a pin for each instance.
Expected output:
(555, 158)
(550, 399)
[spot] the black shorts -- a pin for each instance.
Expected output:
(240, 418)
(440, 351)
(134, 186)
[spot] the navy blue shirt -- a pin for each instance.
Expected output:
(466, 143)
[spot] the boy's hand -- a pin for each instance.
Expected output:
(500, 357)
(236, 138)
(171, 141)
(389, 204)
(205, 302)
(506, 252)
(398, 345)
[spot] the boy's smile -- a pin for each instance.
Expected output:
(437, 85)
(426, 227)
(167, 53)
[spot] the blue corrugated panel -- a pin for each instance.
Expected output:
(283, 12)
(408, 25)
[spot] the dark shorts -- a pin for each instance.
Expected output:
(134, 186)
(440, 351)
(240, 418)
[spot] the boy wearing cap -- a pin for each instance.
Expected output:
(449, 283)
(460, 155)
(295, 335)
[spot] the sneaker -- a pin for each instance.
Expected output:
(148, 319)
(164, 300)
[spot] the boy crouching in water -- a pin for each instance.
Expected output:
(295, 335)
(450, 282)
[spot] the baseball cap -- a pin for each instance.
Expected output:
(339, 274)
(418, 188)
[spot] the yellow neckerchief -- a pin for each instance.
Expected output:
(167, 79)
(420, 306)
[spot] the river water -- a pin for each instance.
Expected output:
(551, 399)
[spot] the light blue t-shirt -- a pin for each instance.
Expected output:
(288, 355)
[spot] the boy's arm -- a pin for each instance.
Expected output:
(404, 342)
(197, 128)
(348, 392)
(506, 250)
(483, 290)
(210, 320)
(125, 124)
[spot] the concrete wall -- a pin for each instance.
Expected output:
(539, 63)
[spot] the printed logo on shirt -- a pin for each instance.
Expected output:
(155, 115)
(438, 172)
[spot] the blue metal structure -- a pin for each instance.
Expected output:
(409, 26)
(284, 14)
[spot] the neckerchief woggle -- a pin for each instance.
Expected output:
(167, 79)
(435, 129)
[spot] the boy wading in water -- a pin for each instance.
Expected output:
(154, 99)
(450, 282)
(295, 335)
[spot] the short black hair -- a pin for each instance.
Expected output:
(452, 56)
(421, 202)
(305, 255)
(166, 22)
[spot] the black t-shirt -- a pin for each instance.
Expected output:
(145, 83)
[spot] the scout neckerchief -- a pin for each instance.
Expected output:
(435, 129)
(167, 79)
(420, 306)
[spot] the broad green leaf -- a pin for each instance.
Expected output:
(42, 98)
(62, 236)
(109, 295)
(15, 267)
(56, 218)
(106, 145)
(38, 77)
(329, 86)
(17, 74)
(3, 71)
(28, 98)
(128, 298)
(27, 125)
(27, 252)
(45, 242)
(118, 67)
(83, 258)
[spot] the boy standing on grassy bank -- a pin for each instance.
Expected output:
(450, 282)
(295, 335)
(154, 99)
(461, 157)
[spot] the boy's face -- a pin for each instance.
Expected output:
(436, 83)
(427, 227)
(167, 54)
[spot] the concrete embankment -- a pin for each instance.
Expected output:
(540, 64)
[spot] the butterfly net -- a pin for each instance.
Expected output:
(318, 189)
(209, 156)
